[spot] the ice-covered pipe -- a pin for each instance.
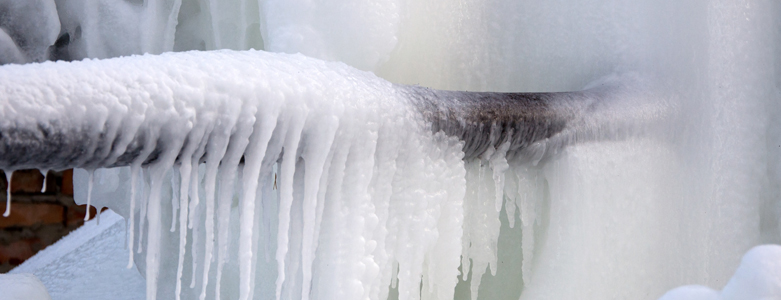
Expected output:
(101, 113)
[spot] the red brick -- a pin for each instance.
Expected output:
(76, 214)
(67, 182)
(26, 181)
(26, 214)
(17, 252)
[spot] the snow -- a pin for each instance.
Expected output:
(22, 287)
(301, 177)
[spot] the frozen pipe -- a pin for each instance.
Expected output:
(37, 130)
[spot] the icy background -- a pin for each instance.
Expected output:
(629, 218)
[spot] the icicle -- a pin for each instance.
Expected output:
(174, 200)
(252, 255)
(196, 185)
(45, 173)
(184, 175)
(8, 175)
(225, 192)
(144, 205)
(236, 147)
(286, 195)
(395, 274)
(132, 215)
(154, 230)
(215, 153)
(254, 155)
(314, 161)
(90, 183)
(498, 163)
(509, 204)
(154, 206)
(188, 174)
(193, 213)
(527, 195)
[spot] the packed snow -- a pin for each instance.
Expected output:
(257, 175)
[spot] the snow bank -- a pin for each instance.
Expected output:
(22, 287)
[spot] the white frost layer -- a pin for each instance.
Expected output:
(22, 287)
(758, 277)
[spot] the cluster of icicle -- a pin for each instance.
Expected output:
(326, 169)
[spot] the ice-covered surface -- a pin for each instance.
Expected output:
(89, 263)
(22, 286)
(632, 216)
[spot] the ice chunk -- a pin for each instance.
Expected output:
(32, 24)
(9, 51)
(101, 28)
(359, 33)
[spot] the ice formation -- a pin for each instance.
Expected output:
(289, 177)
(339, 158)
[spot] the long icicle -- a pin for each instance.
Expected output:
(8, 176)
(174, 197)
(187, 178)
(214, 155)
(313, 165)
(157, 171)
(228, 169)
(194, 186)
(45, 173)
(195, 212)
(154, 230)
(144, 205)
(132, 215)
(254, 156)
(90, 183)
(184, 173)
(286, 195)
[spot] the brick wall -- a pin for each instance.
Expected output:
(37, 219)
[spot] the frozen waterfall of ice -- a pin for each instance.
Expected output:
(263, 176)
